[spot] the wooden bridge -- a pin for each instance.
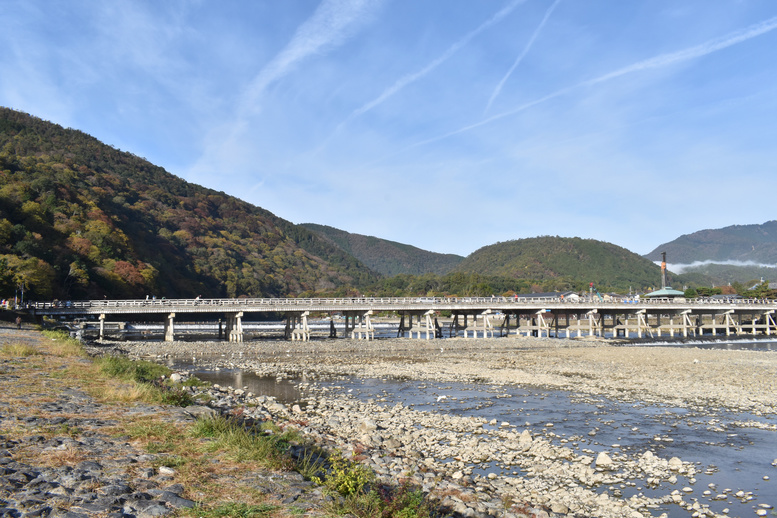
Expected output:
(420, 316)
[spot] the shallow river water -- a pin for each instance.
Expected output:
(731, 455)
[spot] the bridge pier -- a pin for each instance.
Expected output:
(234, 327)
(430, 327)
(769, 322)
(487, 328)
(358, 325)
(170, 327)
(297, 326)
(364, 329)
(456, 326)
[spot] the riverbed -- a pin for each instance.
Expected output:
(612, 430)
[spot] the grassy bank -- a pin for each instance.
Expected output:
(220, 461)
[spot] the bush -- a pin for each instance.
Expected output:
(345, 477)
(124, 368)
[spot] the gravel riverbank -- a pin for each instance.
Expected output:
(67, 453)
(438, 451)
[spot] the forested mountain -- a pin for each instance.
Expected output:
(387, 257)
(81, 219)
(565, 263)
(756, 243)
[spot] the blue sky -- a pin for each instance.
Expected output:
(447, 124)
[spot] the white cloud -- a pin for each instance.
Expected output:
(523, 53)
(682, 268)
(333, 22)
(659, 61)
(415, 76)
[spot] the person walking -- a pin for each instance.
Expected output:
(18, 322)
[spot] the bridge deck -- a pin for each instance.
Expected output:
(532, 315)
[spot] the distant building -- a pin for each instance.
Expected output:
(667, 292)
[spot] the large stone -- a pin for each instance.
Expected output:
(367, 426)
(604, 461)
(675, 464)
(199, 411)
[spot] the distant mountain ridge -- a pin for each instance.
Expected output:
(81, 219)
(745, 243)
(387, 257)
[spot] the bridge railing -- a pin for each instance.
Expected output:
(346, 302)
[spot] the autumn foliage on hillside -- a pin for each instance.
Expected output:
(80, 219)
(566, 263)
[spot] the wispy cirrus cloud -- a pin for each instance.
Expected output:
(331, 25)
(415, 76)
(523, 53)
(662, 60)
(333, 22)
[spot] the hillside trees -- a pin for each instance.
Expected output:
(79, 219)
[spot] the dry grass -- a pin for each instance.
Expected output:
(62, 345)
(19, 350)
(39, 367)
(125, 393)
(70, 456)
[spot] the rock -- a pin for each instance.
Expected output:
(525, 440)
(367, 426)
(675, 464)
(559, 508)
(199, 411)
(604, 461)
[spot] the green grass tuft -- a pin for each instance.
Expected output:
(264, 444)
(140, 371)
(237, 511)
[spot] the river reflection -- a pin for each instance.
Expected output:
(286, 391)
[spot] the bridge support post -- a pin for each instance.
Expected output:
(299, 326)
(234, 327)
(687, 323)
(488, 328)
(102, 327)
(170, 327)
(726, 321)
(643, 322)
(350, 323)
(769, 322)
(364, 329)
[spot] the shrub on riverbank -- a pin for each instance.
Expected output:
(357, 493)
